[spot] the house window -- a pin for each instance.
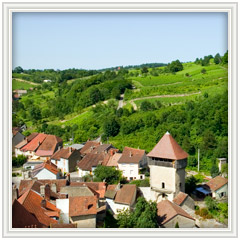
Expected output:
(131, 172)
(141, 177)
(163, 185)
(131, 178)
(180, 184)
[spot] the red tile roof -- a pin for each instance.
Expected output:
(131, 155)
(113, 160)
(99, 187)
(24, 186)
(168, 210)
(84, 205)
(101, 148)
(18, 221)
(126, 194)
(49, 145)
(49, 166)
(32, 136)
(216, 183)
(179, 199)
(168, 148)
(21, 144)
(63, 153)
(35, 143)
(88, 147)
(59, 182)
(91, 160)
(32, 202)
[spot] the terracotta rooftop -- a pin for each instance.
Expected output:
(131, 155)
(32, 136)
(89, 147)
(49, 166)
(111, 191)
(63, 153)
(24, 186)
(168, 210)
(49, 145)
(99, 187)
(113, 160)
(101, 148)
(32, 201)
(168, 148)
(91, 160)
(126, 194)
(216, 183)
(179, 199)
(35, 143)
(18, 221)
(59, 182)
(85, 205)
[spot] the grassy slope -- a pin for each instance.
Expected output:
(21, 85)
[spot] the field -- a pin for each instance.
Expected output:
(21, 85)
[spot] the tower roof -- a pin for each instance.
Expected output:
(168, 148)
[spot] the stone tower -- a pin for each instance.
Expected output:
(167, 162)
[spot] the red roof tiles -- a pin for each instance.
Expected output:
(35, 143)
(179, 199)
(84, 205)
(49, 145)
(168, 210)
(18, 221)
(126, 194)
(63, 153)
(131, 155)
(49, 166)
(216, 183)
(89, 147)
(32, 201)
(168, 148)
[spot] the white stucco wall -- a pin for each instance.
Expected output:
(82, 173)
(223, 189)
(115, 207)
(129, 170)
(63, 205)
(62, 164)
(45, 174)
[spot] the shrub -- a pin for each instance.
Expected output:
(197, 207)
(203, 212)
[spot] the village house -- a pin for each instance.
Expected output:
(89, 162)
(48, 147)
(66, 159)
(45, 212)
(46, 170)
(17, 137)
(184, 201)
(218, 187)
(31, 147)
(120, 198)
(113, 159)
(83, 211)
(131, 161)
(170, 215)
(24, 142)
(167, 162)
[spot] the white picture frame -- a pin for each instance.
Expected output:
(109, 6)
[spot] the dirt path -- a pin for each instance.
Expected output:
(120, 103)
(21, 80)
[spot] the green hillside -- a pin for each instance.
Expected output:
(190, 103)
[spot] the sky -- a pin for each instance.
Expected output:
(101, 40)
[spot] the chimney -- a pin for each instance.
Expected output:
(47, 192)
(59, 147)
(54, 187)
(43, 203)
(38, 143)
(68, 177)
(70, 150)
(42, 191)
(130, 154)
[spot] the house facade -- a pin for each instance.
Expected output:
(218, 187)
(131, 161)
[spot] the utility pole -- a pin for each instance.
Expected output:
(198, 158)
